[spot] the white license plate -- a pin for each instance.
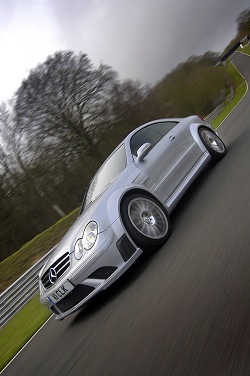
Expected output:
(61, 292)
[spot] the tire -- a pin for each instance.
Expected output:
(213, 143)
(146, 221)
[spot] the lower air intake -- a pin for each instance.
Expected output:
(74, 297)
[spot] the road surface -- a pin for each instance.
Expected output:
(185, 310)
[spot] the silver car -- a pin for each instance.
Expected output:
(126, 209)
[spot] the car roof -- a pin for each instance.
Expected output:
(126, 140)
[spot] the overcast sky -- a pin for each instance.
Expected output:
(140, 39)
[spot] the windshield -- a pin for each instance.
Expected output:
(110, 169)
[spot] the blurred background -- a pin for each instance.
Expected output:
(70, 110)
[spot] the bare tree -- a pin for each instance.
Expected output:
(11, 157)
(65, 102)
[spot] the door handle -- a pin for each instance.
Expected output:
(171, 138)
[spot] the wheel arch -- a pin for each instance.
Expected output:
(146, 240)
(194, 129)
(215, 154)
(139, 190)
(114, 204)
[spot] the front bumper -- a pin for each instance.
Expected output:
(83, 280)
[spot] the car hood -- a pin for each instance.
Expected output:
(95, 211)
(68, 241)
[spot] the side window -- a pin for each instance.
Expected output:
(143, 136)
(165, 127)
(153, 133)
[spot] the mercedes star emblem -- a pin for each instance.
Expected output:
(52, 275)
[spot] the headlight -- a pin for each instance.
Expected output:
(79, 250)
(87, 241)
(89, 235)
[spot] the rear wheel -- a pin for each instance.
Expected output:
(146, 221)
(213, 143)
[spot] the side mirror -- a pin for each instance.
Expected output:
(143, 151)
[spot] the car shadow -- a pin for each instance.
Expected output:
(190, 194)
(105, 297)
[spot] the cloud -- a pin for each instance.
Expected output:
(141, 39)
(26, 38)
(145, 39)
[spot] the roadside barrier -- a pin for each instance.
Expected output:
(20, 292)
(219, 108)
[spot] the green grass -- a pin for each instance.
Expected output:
(246, 50)
(18, 263)
(29, 319)
(20, 329)
(240, 88)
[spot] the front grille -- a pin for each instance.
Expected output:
(74, 297)
(59, 267)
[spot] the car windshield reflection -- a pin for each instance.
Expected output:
(110, 169)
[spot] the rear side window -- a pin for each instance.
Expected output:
(153, 133)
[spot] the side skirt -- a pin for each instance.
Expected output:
(175, 197)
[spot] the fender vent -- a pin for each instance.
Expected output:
(125, 248)
(103, 273)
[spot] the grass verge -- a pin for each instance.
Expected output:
(20, 329)
(18, 263)
(246, 50)
(240, 88)
(29, 319)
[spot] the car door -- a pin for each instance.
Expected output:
(168, 161)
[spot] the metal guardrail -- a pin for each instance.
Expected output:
(215, 113)
(219, 108)
(20, 292)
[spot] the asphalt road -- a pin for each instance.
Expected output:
(185, 310)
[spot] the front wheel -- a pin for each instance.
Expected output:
(213, 143)
(146, 221)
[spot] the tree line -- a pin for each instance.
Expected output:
(243, 29)
(67, 116)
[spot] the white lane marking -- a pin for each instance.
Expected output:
(240, 99)
(26, 344)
